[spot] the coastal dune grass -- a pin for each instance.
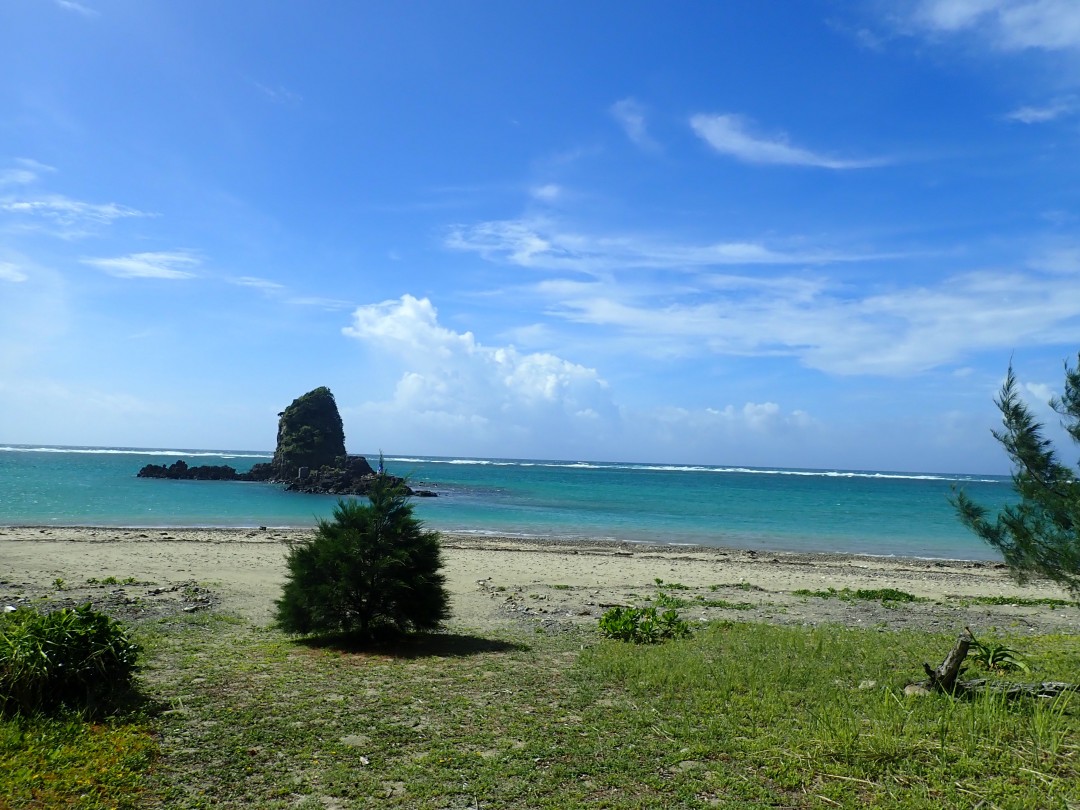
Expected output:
(739, 715)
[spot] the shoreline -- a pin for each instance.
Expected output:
(481, 537)
(497, 582)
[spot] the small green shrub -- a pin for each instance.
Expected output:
(642, 625)
(72, 658)
(666, 600)
(373, 570)
(997, 657)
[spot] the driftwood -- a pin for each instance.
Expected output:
(943, 679)
(946, 678)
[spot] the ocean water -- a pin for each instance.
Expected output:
(867, 512)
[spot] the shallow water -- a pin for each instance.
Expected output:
(869, 512)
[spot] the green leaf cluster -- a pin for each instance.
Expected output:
(74, 658)
(1040, 535)
(643, 625)
(371, 570)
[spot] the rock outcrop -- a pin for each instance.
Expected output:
(310, 455)
(310, 435)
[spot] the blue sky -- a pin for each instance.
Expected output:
(753, 232)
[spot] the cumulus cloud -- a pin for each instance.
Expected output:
(1042, 392)
(457, 394)
(162, 265)
(731, 135)
(1051, 25)
(631, 117)
(450, 377)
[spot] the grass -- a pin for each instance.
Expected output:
(1017, 600)
(67, 762)
(863, 594)
(740, 715)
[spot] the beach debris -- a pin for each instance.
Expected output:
(946, 678)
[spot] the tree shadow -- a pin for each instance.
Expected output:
(415, 645)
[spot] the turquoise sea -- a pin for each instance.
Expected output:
(871, 512)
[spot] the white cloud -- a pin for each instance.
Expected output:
(66, 217)
(279, 94)
(548, 192)
(9, 272)
(825, 326)
(543, 244)
(450, 378)
(78, 8)
(631, 117)
(730, 135)
(161, 265)
(257, 283)
(456, 395)
(1042, 392)
(1041, 115)
(1008, 24)
(24, 172)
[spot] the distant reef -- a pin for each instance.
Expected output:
(310, 455)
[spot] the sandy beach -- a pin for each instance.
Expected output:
(497, 581)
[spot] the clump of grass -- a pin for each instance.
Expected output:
(666, 600)
(76, 659)
(671, 586)
(1017, 600)
(701, 601)
(863, 594)
(741, 586)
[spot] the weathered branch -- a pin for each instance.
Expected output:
(943, 679)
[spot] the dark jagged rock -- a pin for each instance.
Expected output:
(180, 470)
(310, 435)
(310, 455)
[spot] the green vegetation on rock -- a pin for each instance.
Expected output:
(310, 434)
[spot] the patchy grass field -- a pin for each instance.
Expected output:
(741, 715)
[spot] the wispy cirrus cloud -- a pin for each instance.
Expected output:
(544, 244)
(24, 172)
(64, 217)
(173, 265)
(631, 117)
(78, 8)
(10, 272)
(731, 135)
(1042, 114)
(278, 94)
(826, 325)
(1051, 25)
(264, 284)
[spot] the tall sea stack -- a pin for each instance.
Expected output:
(310, 434)
(310, 455)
